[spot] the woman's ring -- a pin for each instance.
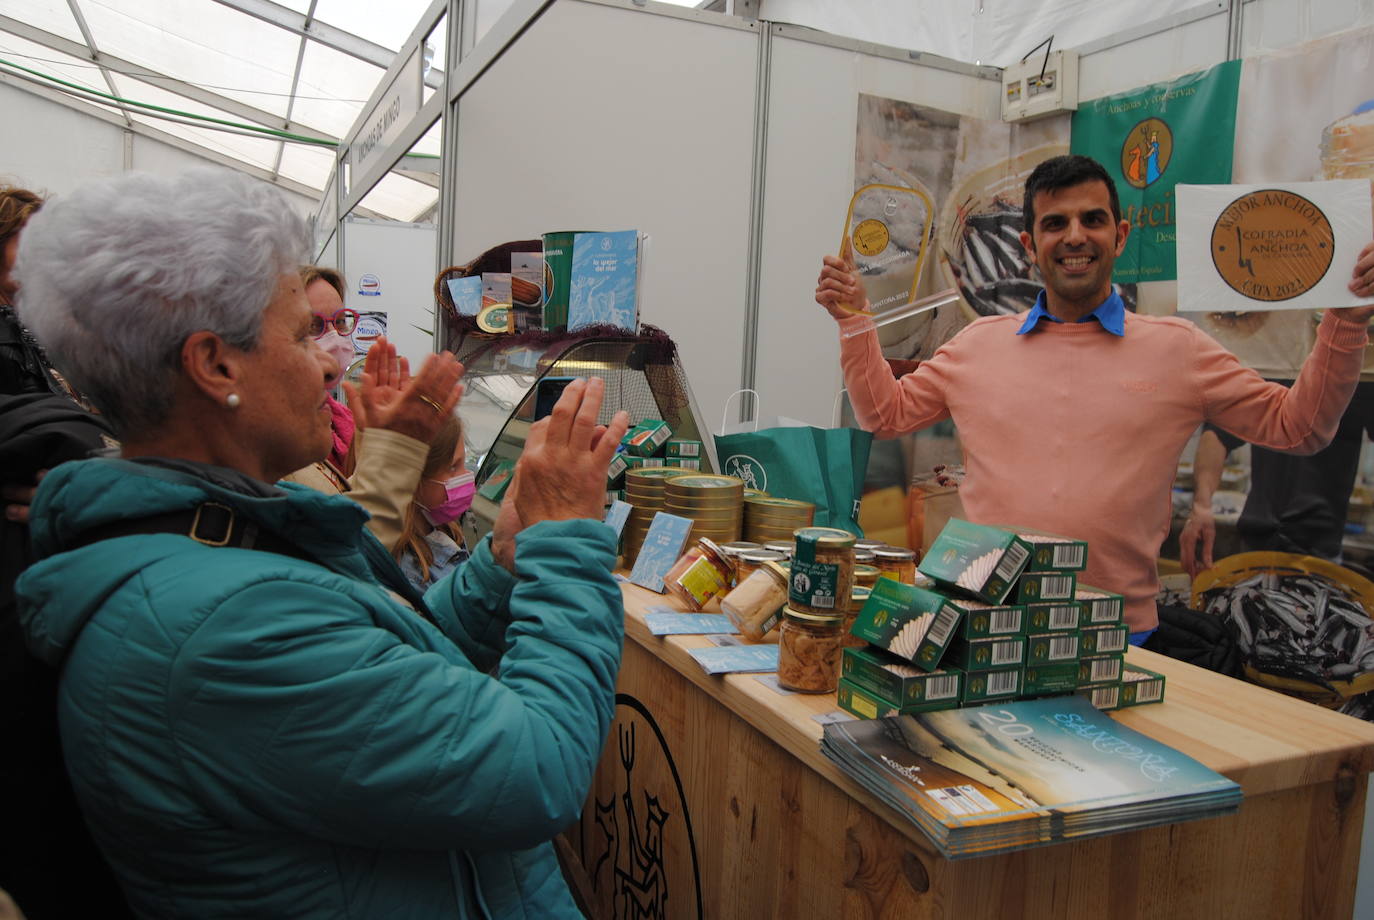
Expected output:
(431, 403)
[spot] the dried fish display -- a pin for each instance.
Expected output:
(988, 262)
(1297, 625)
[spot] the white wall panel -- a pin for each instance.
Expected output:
(1154, 58)
(52, 148)
(401, 256)
(809, 180)
(611, 118)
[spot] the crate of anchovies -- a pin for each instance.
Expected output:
(913, 623)
(1044, 679)
(1104, 640)
(1039, 587)
(1094, 670)
(1053, 553)
(1051, 648)
(1054, 617)
(1105, 697)
(986, 654)
(985, 686)
(982, 620)
(1140, 686)
(1101, 608)
(892, 678)
(979, 560)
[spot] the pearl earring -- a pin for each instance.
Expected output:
(232, 401)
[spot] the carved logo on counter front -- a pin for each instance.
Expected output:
(642, 840)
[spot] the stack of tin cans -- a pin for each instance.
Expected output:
(712, 502)
(767, 518)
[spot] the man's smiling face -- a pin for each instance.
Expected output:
(1075, 242)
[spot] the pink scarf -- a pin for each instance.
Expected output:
(341, 426)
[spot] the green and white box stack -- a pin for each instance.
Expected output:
(1105, 637)
(877, 679)
(983, 562)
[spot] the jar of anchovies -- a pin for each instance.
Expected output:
(822, 570)
(857, 599)
(756, 603)
(896, 562)
(700, 574)
(780, 546)
(732, 553)
(865, 575)
(862, 556)
(746, 563)
(809, 651)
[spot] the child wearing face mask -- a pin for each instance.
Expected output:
(431, 545)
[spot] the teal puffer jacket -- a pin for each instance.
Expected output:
(254, 735)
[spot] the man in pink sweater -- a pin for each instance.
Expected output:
(1072, 415)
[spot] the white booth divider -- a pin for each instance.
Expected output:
(603, 118)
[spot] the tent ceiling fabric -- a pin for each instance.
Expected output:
(233, 60)
(993, 32)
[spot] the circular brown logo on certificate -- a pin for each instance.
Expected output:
(1272, 245)
(1146, 152)
(870, 237)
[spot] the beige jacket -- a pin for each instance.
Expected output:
(384, 480)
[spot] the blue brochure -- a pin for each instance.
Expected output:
(603, 286)
(728, 659)
(662, 547)
(687, 624)
(617, 515)
(466, 294)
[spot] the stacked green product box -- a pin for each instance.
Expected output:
(1005, 618)
(1140, 686)
(896, 684)
(983, 562)
(645, 439)
(915, 624)
(1105, 637)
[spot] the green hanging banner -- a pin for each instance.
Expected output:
(1151, 139)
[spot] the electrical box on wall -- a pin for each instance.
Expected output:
(1043, 85)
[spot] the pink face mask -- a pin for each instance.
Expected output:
(339, 347)
(458, 493)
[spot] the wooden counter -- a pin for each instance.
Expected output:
(713, 800)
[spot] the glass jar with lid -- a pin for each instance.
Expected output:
(756, 603)
(856, 603)
(809, 651)
(822, 570)
(700, 574)
(746, 563)
(896, 562)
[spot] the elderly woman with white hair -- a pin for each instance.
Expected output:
(255, 724)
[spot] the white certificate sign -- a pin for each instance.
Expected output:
(1287, 246)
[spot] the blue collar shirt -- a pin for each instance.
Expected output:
(1111, 313)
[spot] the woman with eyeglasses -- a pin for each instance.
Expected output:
(255, 723)
(378, 469)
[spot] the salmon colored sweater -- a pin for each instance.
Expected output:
(1075, 431)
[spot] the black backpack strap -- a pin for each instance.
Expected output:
(215, 524)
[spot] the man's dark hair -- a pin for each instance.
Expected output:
(1063, 172)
